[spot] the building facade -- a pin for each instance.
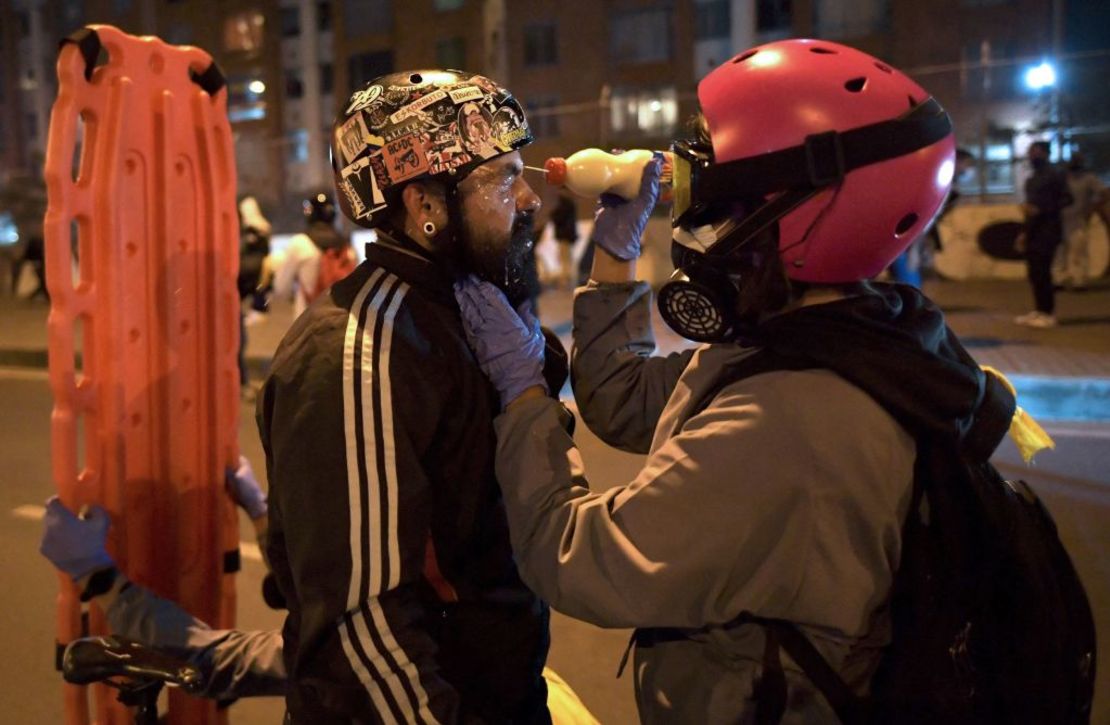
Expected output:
(608, 73)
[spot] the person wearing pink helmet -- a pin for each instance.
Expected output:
(781, 452)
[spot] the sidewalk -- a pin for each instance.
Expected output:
(981, 312)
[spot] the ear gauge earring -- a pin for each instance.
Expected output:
(429, 229)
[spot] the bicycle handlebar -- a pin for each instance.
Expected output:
(94, 659)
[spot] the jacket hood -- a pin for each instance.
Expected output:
(892, 342)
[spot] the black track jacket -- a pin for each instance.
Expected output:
(388, 535)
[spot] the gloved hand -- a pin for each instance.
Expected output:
(245, 491)
(619, 224)
(507, 343)
(72, 544)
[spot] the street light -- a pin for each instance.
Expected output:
(257, 87)
(1040, 76)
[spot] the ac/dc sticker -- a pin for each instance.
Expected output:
(363, 98)
(404, 158)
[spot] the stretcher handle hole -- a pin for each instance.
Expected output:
(89, 45)
(211, 79)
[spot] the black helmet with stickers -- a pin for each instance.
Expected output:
(419, 124)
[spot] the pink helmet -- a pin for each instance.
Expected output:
(786, 97)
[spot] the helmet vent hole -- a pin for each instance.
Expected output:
(744, 57)
(822, 51)
(883, 67)
(905, 224)
(913, 101)
(856, 84)
(416, 78)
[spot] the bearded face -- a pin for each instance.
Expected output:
(498, 224)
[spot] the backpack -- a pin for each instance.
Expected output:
(335, 264)
(990, 621)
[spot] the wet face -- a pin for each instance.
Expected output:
(498, 210)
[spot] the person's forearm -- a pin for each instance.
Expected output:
(609, 269)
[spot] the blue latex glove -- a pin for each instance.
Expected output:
(508, 343)
(75, 545)
(619, 223)
(245, 491)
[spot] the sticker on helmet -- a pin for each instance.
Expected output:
(363, 98)
(416, 106)
(397, 95)
(444, 149)
(476, 126)
(359, 179)
(405, 158)
(353, 137)
(378, 113)
(466, 93)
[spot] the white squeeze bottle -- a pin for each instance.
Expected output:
(592, 172)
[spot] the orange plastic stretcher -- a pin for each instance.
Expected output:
(142, 254)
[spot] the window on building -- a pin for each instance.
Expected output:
(648, 111)
(442, 5)
(451, 53)
(294, 88)
(246, 99)
(327, 78)
(290, 22)
(542, 115)
(850, 18)
(365, 67)
(296, 146)
(323, 16)
(641, 36)
(771, 15)
(244, 32)
(364, 17)
(712, 19)
(541, 44)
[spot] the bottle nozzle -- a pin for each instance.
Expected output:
(556, 168)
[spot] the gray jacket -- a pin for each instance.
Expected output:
(784, 498)
(233, 663)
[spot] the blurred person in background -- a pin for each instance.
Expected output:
(1046, 196)
(316, 258)
(1072, 266)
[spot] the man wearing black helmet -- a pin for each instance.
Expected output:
(388, 536)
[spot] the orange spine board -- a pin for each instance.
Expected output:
(142, 253)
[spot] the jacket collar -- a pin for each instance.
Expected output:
(413, 264)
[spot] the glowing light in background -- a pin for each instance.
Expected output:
(1040, 76)
(257, 87)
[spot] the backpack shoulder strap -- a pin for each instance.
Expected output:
(848, 706)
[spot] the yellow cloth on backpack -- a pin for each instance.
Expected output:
(1029, 437)
(563, 703)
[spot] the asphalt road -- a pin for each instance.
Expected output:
(1074, 480)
